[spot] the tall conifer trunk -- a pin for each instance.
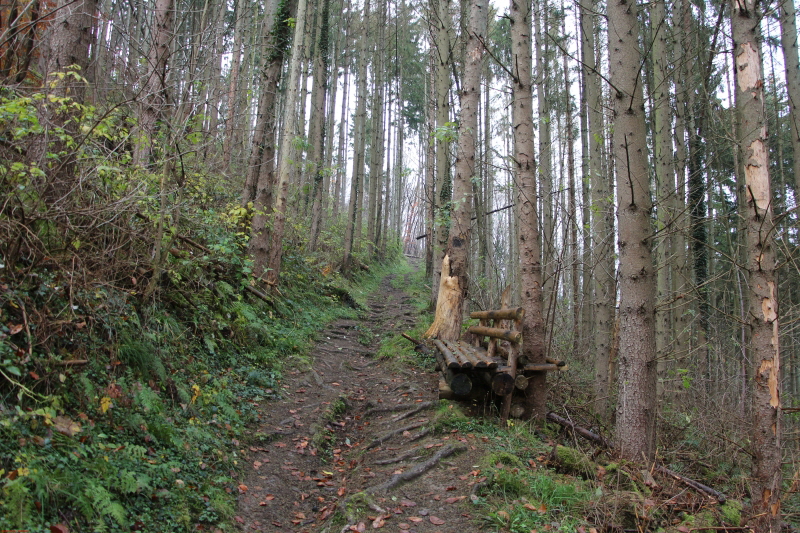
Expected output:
(530, 258)
(761, 266)
(450, 301)
(636, 416)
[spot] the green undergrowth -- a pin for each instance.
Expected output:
(395, 348)
(528, 481)
(133, 416)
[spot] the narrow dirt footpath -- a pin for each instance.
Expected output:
(353, 435)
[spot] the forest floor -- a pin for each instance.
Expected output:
(350, 423)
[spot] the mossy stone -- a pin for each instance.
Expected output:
(575, 461)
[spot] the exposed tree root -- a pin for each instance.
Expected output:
(420, 407)
(417, 471)
(376, 408)
(383, 438)
(399, 458)
(420, 435)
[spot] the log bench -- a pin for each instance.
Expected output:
(462, 364)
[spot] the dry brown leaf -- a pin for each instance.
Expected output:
(416, 519)
(66, 426)
(436, 521)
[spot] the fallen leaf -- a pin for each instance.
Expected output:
(66, 426)
(403, 525)
(105, 404)
(59, 528)
(300, 516)
(416, 519)
(13, 329)
(269, 497)
(454, 499)
(436, 521)
(504, 515)
(407, 503)
(239, 519)
(379, 522)
(451, 488)
(257, 464)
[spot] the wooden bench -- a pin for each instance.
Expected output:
(462, 364)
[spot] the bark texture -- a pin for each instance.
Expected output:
(525, 168)
(761, 264)
(635, 425)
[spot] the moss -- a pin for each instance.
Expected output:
(503, 458)
(449, 413)
(336, 409)
(575, 461)
(732, 512)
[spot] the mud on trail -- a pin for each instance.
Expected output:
(351, 444)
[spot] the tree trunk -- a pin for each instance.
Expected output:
(791, 63)
(602, 219)
(259, 244)
(761, 265)
(665, 180)
(443, 49)
(636, 415)
(290, 130)
(461, 218)
(154, 96)
(317, 133)
(354, 209)
(530, 259)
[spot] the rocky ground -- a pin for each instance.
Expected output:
(351, 444)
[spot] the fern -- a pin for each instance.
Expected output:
(16, 502)
(101, 504)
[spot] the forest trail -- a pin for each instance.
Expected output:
(350, 423)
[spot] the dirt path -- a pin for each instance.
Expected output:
(351, 424)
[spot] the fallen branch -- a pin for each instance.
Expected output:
(417, 471)
(380, 440)
(257, 293)
(412, 339)
(583, 432)
(71, 362)
(721, 498)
